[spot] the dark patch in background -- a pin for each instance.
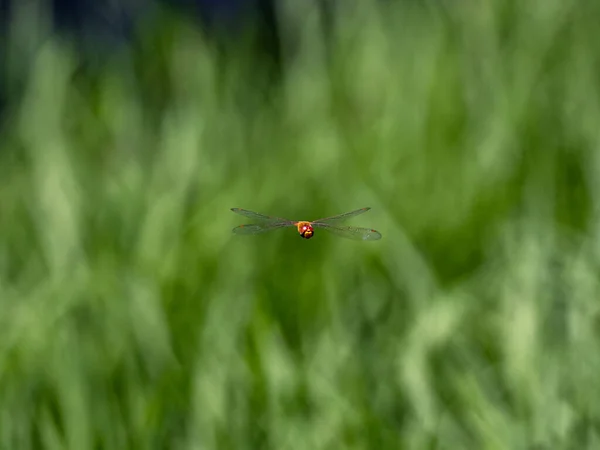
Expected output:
(100, 29)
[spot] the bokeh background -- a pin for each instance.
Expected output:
(131, 316)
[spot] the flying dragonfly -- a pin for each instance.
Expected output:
(305, 228)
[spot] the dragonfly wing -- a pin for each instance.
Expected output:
(256, 216)
(344, 216)
(257, 228)
(356, 233)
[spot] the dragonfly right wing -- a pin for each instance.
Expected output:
(256, 216)
(257, 228)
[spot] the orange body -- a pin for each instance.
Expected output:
(305, 229)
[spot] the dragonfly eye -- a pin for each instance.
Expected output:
(307, 232)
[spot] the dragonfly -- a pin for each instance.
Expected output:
(305, 228)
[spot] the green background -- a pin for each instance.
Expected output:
(131, 316)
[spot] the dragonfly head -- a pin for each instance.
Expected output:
(305, 229)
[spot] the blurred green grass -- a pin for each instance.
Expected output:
(131, 317)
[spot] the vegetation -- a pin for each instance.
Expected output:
(131, 317)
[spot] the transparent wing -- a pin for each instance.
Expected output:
(257, 228)
(356, 233)
(256, 216)
(342, 216)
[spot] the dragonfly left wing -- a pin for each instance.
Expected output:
(344, 216)
(356, 233)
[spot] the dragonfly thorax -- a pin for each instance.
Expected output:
(305, 229)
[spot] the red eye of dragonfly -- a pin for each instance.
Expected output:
(307, 229)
